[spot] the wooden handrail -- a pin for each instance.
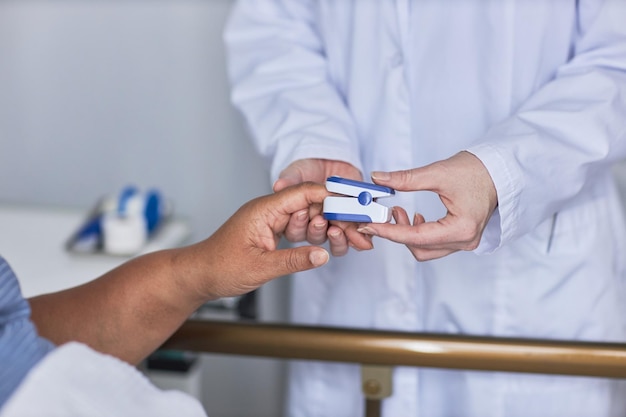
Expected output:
(402, 349)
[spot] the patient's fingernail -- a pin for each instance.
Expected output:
(302, 215)
(380, 175)
(318, 257)
(366, 230)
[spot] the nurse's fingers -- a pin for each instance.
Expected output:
(343, 235)
(317, 229)
(290, 176)
(356, 240)
(418, 219)
(450, 232)
(404, 233)
(400, 216)
(422, 178)
(400, 232)
(431, 235)
(409, 235)
(424, 255)
(297, 227)
(338, 241)
(439, 235)
(283, 183)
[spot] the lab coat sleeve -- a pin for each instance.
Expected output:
(565, 135)
(280, 83)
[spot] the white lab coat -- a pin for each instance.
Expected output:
(537, 90)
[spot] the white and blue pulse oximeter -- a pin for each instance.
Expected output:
(358, 203)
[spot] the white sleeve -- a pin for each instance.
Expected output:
(74, 380)
(280, 83)
(566, 135)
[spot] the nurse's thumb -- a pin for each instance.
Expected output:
(405, 180)
(289, 261)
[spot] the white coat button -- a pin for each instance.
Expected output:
(396, 60)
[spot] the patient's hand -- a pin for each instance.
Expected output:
(242, 254)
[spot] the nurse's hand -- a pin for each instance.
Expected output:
(309, 225)
(465, 188)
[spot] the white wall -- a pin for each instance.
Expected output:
(98, 94)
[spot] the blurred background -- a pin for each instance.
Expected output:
(98, 94)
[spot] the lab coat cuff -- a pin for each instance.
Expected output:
(298, 148)
(501, 226)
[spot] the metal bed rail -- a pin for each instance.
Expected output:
(379, 351)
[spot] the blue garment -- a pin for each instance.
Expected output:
(20, 346)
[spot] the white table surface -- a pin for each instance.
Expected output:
(32, 240)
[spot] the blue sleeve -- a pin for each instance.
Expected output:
(21, 348)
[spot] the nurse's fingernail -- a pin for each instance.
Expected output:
(278, 185)
(381, 176)
(302, 215)
(366, 230)
(334, 234)
(319, 226)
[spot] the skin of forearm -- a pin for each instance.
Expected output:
(128, 312)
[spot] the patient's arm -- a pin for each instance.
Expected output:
(127, 312)
(131, 310)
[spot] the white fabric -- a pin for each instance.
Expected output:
(537, 90)
(74, 380)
